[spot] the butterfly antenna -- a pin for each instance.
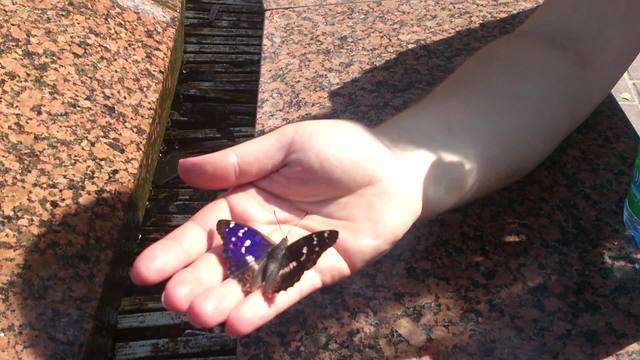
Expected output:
(294, 226)
(278, 221)
(299, 221)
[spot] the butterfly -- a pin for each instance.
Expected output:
(257, 261)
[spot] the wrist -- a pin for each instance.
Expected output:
(408, 170)
(444, 179)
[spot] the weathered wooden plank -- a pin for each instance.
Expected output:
(186, 122)
(222, 32)
(229, 2)
(205, 115)
(145, 290)
(219, 40)
(208, 134)
(195, 70)
(211, 145)
(150, 319)
(221, 49)
(204, 147)
(200, 58)
(197, 345)
(177, 207)
(141, 304)
(173, 184)
(242, 9)
(183, 195)
(224, 76)
(219, 95)
(220, 108)
(181, 207)
(220, 15)
(223, 24)
(229, 77)
(218, 85)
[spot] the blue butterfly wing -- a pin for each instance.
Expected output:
(244, 249)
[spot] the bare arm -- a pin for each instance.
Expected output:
(508, 107)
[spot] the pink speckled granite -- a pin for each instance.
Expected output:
(81, 84)
(541, 270)
(369, 59)
(288, 4)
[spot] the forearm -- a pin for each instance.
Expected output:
(506, 108)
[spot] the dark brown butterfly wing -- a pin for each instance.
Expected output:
(302, 255)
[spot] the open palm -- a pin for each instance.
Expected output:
(336, 172)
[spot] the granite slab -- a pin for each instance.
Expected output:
(288, 4)
(368, 61)
(542, 269)
(83, 89)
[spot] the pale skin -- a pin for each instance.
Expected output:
(523, 94)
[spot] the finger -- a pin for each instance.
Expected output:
(180, 247)
(255, 311)
(192, 280)
(212, 306)
(239, 164)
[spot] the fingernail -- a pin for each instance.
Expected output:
(162, 300)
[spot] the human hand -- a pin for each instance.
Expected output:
(337, 172)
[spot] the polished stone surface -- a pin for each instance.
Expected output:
(289, 4)
(368, 61)
(542, 269)
(81, 84)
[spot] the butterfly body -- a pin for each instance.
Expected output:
(272, 266)
(257, 261)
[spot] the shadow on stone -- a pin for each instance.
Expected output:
(383, 91)
(60, 283)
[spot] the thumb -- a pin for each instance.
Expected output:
(238, 164)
